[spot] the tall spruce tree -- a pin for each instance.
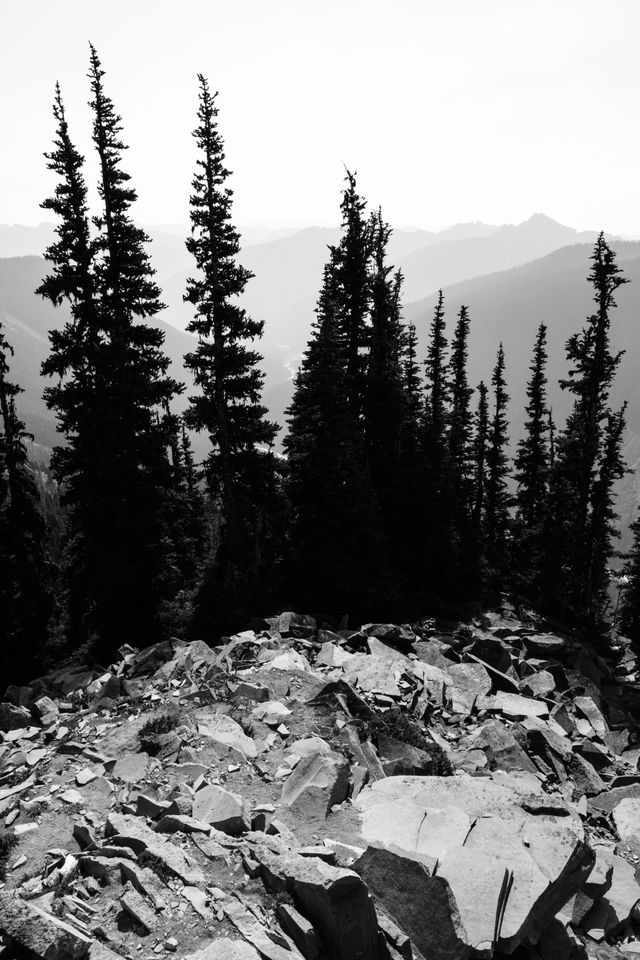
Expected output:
(437, 494)
(241, 469)
(113, 382)
(385, 400)
(532, 468)
(480, 440)
(338, 563)
(351, 259)
(25, 583)
(587, 460)
(498, 499)
(460, 455)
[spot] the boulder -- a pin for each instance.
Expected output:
(223, 810)
(317, 783)
(224, 731)
(626, 817)
(478, 835)
(335, 900)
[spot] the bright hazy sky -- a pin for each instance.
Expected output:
(449, 110)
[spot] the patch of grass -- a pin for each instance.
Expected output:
(8, 841)
(162, 724)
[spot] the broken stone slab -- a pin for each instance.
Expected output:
(145, 882)
(225, 949)
(545, 643)
(373, 674)
(513, 705)
(396, 635)
(223, 730)
(137, 907)
(299, 929)
(132, 768)
(477, 830)
(181, 823)
(402, 758)
(288, 660)
(468, 683)
(222, 809)
(127, 831)
(39, 932)
(626, 817)
(317, 783)
(422, 905)
(500, 747)
(255, 934)
(335, 900)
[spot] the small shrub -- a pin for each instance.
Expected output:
(162, 724)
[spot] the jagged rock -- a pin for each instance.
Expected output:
(127, 831)
(223, 810)
(587, 782)
(223, 730)
(335, 900)
(626, 817)
(396, 635)
(513, 705)
(251, 691)
(254, 932)
(150, 807)
(181, 823)
(299, 929)
(13, 718)
(317, 783)
(136, 905)
(131, 768)
(401, 758)
(39, 932)
(502, 750)
(545, 643)
(476, 830)
(467, 683)
(289, 660)
(405, 888)
(225, 949)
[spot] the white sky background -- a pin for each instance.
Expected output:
(449, 110)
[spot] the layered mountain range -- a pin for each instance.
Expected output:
(511, 278)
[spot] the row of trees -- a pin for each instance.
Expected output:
(395, 497)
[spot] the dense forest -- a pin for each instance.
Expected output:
(397, 496)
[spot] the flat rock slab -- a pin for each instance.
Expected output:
(318, 781)
(225, 949)
(223, 730)
(478, 831)
(626, 816)
(222, 809)
(131, 768)
(513, 705)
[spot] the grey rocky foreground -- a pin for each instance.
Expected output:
(397, 791)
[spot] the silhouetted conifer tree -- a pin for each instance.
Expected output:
(480, 440)
(241, 469)
(460, 456)
(532, 466)
(498, 499)
(587, 459)
(25, 584)
(338, 563)
(351, 258)
(112, 384)
(437, 493)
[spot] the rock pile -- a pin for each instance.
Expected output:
(393, 792)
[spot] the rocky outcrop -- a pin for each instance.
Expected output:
(395, 791)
